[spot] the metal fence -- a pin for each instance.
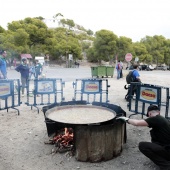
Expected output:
(10, 94)
(44, 91)
(147, 94)
(91, 90)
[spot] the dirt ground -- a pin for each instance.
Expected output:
(22, 137)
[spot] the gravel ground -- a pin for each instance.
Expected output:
(22, 137)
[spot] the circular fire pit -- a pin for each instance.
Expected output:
(98, 136)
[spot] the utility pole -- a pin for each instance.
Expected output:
(67, 60)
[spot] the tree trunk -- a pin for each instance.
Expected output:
(95, 143)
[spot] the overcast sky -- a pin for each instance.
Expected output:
(131, 18)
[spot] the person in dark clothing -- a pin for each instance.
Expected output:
(158, 150)
(136, 78)
(38, 69)
(76, 64)
(24, 70)
(121, 72)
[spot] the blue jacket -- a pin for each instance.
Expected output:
(135, 74)
(24, 70)
(3, 67)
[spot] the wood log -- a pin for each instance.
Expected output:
(95, 143)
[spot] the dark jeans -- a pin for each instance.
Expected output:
(156, 153)
(127, 96)
(121, 74)
(134, 90)
(24, 82)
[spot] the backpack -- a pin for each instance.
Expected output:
(118, 67)
(129, 77)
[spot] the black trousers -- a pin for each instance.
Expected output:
(121, 74)
(156, 153)
(127, 96)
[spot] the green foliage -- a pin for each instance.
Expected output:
(85, 45)
(32, 35)
(105, 45)
(91, 55)
(140, 51)
(68, 22)
(124, 45)
(21, 37)
(40, 18)
(2, 30)
(2, 39)
(56, 15)
(158, 48)
(167, 52)
(14, 26)
(90, 32)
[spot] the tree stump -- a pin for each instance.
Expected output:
(95, 143)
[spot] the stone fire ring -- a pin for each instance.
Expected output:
(80, 114)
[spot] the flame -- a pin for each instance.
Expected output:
(64, 139)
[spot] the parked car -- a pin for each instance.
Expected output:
(142, 67)
(163, 68)
(150, 68)
(131, 68)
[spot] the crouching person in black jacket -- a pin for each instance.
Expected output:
(158, 150)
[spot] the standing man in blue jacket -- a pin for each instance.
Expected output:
(24, 70)
(3, 55)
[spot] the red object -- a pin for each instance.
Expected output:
(26, 56)
(128, 57)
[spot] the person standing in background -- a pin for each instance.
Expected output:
(15, 62)
(135, 78)
(121, 72)
(38, 69)
(31, 71)
(118, 68)
(3, 64)
(24, 70)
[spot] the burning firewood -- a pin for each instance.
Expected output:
(63, 140)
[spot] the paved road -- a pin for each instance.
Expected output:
(67, 74)
(70, 74)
